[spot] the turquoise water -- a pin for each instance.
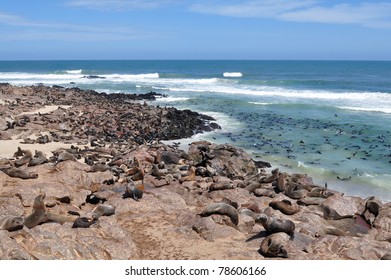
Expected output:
(326, 118)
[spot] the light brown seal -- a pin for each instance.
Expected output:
(285, 206)
(273, 225)
(27, 156)
(102, 210)
(272, 246)
(40, 215)
(64, 156)
(295, 192)
(190, 175)
(39, 158)
(132, 192)
(11, 223)
(18, 173)
(222, 209)
(271, 178)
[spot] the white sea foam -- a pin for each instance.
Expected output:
(78, 71)
(376, 109)
(173, 99)
(260, 103)
(232, 74)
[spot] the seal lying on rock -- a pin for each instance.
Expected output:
(222, 209)
(272, 246)
(273, 225)
(27, 156)
(39, 158)
(102, 210)
(11, 223)
(132, 192)
(82, 222)
(285, 206)
(18, 173)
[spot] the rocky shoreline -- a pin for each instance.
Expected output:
(112, 190)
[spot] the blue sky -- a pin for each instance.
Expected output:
(195, 29)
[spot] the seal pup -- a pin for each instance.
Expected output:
(18, 173)
(27, 156)
(272, 246)
(11, 223)
(82, 222)
(94, 199)
(132, 192)
(273, 225)
(284, 206)
(102, 210)
(222, 209)
(39, 158)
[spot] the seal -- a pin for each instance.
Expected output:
(82, 222)
(102, 210)
(285, 206)
(295, 192)
(64, 156)
(222, 209)
(132, 192)
(27, 156)
(271, 178)
(273, 225)
(219, 186)
(39, 158)
(190, 175)
(272, 246)
(38, 215)
(18, 173)
(11, 223)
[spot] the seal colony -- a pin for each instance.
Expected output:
(210, 202)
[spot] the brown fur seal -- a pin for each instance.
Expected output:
(39, 158)
(40, 215)
(273, 225)
(102, 210)
(285, 206)
(132, 192)
(64, 156)
(18, 173)
(271, 178)
(294, 192)
(190, 175)
(11, 223)
(248, 212)
(265, 192)
(18, 152)
(219, 186)
(222, 209)
(82, 222)
(27, 156)
(272, 246)
(98, 168)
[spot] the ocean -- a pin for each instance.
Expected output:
(328, 119)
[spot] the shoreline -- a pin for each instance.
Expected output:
(114, 143)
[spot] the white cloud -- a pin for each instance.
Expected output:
(370, 14)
